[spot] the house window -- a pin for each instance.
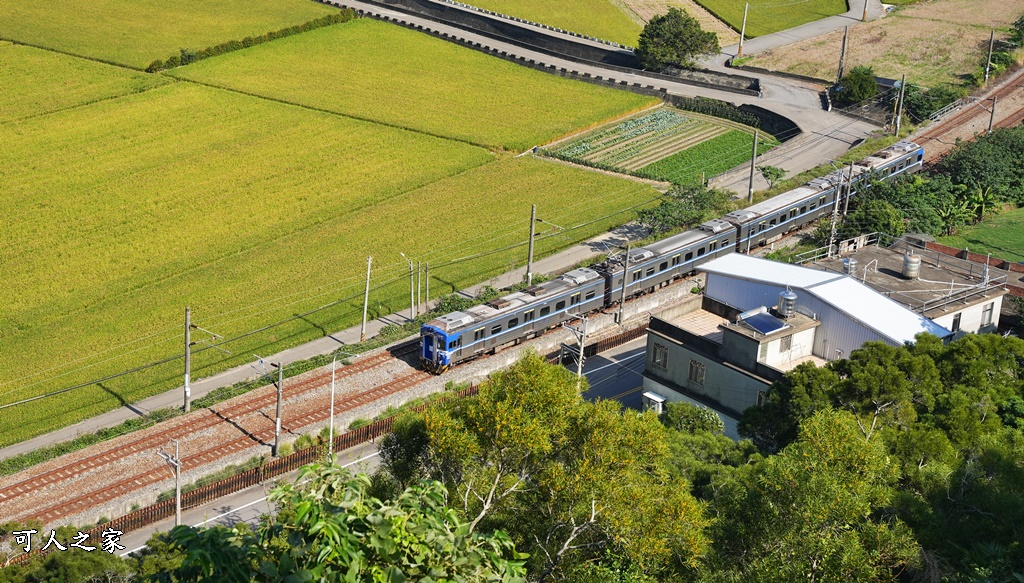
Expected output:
(762, 352)
(786, 344)
(762, 397)
(986, 314)
(659, 356)
(697, 372)
(956, 323)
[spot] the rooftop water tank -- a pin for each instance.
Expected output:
(911, 266)
(787, 304)
(850, 266)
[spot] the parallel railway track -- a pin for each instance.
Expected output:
(203, 420)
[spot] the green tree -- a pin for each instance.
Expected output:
(567, 479)
(329, 529)
(994, 161)
(683, 206)
(674, 38)
(772, 174)
(812, 513)
(873, 216)
(856, 86)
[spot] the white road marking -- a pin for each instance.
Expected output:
(352, 463)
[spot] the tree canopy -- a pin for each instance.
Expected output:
(674, 38)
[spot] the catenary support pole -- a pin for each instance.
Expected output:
(625, 276)
(988, 63)
(864, 17)
(412, 293)
(842, 54)
(188, 358)
(419, 287)
(177, 485)
(743, 29)
(529, 256)
(280, 394)
(753, 161)
(899, 107)
(426, 275)
(849, 191)
(992, 116)
(366, 300)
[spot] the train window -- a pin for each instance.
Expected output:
(528, 316)
(725, 243)
(689, 256)
(814, 206)
(650, 271)
(821, 201)
(700, 252)
(760, 227)
(478, 334)
(455, 343)
(675, 260)
(590, 295)
(560, 305)
(545, 311)
(636, 275)
(495, 329)
(574, 299)
(771, 223)
(792, 212)
(663, 266)
(513, 322)
(803, 209)
(713, 246)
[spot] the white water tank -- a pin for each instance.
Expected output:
(850, 266)
(911, 266)
(787, 304)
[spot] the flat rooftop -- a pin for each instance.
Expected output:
(943, 285)
(701, 323)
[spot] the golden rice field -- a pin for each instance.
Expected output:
(135, 32)
(138, 202)
(417, 82)
(597, 18)
(67, 82)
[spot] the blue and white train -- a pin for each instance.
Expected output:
(459, 336)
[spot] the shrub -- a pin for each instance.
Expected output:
(856, 86)
(155, 66)
(303, 442)
(357, 423)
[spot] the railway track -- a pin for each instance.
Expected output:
(264, 436)
(206, 419)
(974, 110)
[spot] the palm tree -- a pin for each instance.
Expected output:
(953, 214)
(979, 201)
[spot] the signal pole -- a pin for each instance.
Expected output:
(280, 392)
(743, 29)
(529, 258)
(366, 300)
(175, 463)
(625, 274)
(753, 160)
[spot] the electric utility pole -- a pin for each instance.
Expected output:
(849, 191)
(280, 394)
(753, 161)
(529, 257)
(426, 276)
(581, 337)
(992, 116)
(366, 300)
(419, 271)
(899, 107)
(864, 17)
(175, 463)
(743, 29)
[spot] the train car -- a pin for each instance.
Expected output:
(658, 264)
(512, 318)
(769, 220)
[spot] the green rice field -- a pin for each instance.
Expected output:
(418, 82)
(666, 144)
(134, 199)
(768, 16)
(135, 32)
(597, 18)
(1001, 235)
(67, 82)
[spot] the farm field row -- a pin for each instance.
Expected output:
(597, 18)
(768, 16)
(644, 10)
(416, 82)
(250, 211)
(934, 43)
(37, 81)
(707, 159)
(137, 32)
(1001, 236)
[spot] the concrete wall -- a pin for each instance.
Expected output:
(802, 345)
(971, 318)
(671, 395)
